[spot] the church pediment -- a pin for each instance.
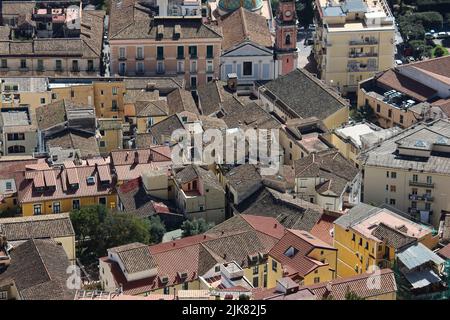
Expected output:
(247, 49)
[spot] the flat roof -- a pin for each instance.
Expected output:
(355, 132)
(15, 118)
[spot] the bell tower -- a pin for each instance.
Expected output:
(286, 37)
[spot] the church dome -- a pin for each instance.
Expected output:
(227, 6)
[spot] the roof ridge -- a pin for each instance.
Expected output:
(42, 260)
(244, 22)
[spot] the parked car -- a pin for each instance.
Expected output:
(442, 34)
(398, 62)
(410, 59)
(429, 36)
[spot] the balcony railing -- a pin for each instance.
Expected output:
(415, 197)
(369, 41)
(122, 58)
(362, 54)
(361, 68)
(140, 58)
(421, 184)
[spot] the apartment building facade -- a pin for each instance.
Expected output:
(18, 132)
(174, 46)
(354, 39)
(409, 172)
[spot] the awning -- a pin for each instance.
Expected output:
(421, 279)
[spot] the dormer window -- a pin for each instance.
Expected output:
(290, 252)
(90, 180)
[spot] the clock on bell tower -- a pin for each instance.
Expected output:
(286, 36)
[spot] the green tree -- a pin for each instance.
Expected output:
(119, 229)
(156, 229)
(243, 296)
(86, 221)
(194, 227)
(9, 212)
(305, 12)
(439, 51)
(351, 295)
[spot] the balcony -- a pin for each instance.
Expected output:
(415, 197)
(122, 59)
(75, 70)
(139, 58)
(428, 197)
(366, 41)
(362, 54)
(361, 67)
(24, 69)
(180, 57)
(421, 184)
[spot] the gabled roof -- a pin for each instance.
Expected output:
(243, 25)
(154, 108)
(180, 100)
(393, 238)
(135, 257)
(37, 227)
(267, 202)
(305, 95)
(292, 252)
(191, 172)
(77, 140)
(164, 128)
(357, 284)
(331, 165)
(38, 269)
(438, 68)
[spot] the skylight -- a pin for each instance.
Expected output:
(290, 252)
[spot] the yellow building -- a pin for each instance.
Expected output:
(369, 236)
(111, 132)
(303, 257)
(353, 41)
(57, 227)
(46, 190)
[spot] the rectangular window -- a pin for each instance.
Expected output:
(114, 105)
(393, 189)
(390, 113)
(378, 108)
(90, 65)
(160, 67)
(401, 119)
(274, 266)
(429, 180)
(114, 91)
(193, 52)
(255, 282)
(209, 66)
(56, 207)
(75, 67)
(37, 209)
(58, 65)
(415, 177)
(122, 53)
(209, 52)
(102, 144)
(139, 53)
(265, 281)
(387, 174)
(166, 290)
(427, 206)
(180, 66)
(185, 285)
(140, 67)
(40, 65)
(353, 237)
(248, 68)
(255, 269)
(122, 68)
(393, 175)
(160, 53)
(392, 202)
(16, 136)
(23, 63)
(102, 200)
(193, 66)
(316, 279)
(180, 52)
(42, 100)
(4, 63)
(76, 204)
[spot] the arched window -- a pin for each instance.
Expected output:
(288, 39)
(16, 149)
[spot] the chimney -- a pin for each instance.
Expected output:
(232, 81)
(126, 156)
(275, 226)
